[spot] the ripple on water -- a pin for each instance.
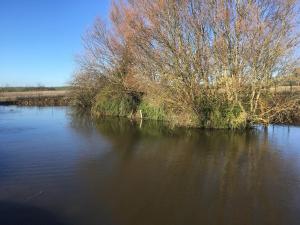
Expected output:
(116, 172)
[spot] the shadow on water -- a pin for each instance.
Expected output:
(190, 176)
(20, 214)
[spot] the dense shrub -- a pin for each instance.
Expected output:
(85, 88)
(150, 111)
(193, 63)
(109, 104)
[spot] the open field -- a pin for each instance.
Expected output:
(26, 89)
(39, 96)
(56, 97)
(4, 96)
(287, 88)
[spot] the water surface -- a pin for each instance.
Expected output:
(61, 168)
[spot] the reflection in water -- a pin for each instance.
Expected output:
(119, 172)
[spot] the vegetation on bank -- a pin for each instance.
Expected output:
(191, 63)
(38, 101)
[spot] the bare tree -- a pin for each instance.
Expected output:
(200, 59)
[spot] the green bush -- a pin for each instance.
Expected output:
(152, 112)
(220, 114)
(111, 107)
(107, 104)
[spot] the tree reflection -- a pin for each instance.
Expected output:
(191, 176)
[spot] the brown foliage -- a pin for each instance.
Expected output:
(221, 52)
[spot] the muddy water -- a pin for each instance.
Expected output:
(58, 167)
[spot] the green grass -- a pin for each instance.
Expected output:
(152, 112)
(107, 105)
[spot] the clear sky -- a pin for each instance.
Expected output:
(39, 39)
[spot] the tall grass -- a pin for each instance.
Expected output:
(152, 112)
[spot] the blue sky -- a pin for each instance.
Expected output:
(39, 39)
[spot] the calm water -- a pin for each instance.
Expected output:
(60, 168)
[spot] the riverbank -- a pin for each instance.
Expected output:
(63, 98)
(35, 98)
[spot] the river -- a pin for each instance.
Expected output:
(58, 167)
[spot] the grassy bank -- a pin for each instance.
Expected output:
(210, 113)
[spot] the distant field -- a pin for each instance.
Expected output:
(287, 89)
(28, 89)
(66, 88)
(11, 96)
